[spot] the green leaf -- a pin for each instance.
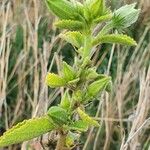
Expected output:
(125, 16)
(103, 18)
(26, 130)
(66, 101)
(79, 125)
(53, 80)
(75, 38)
(97, 86)
(114, 38)
(63, 9)
(70, 25)
(58, 114)
(68, 72)
(87, 119)
(71, 138)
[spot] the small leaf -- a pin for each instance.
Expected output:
(65, 101)
(68, 72)
(91, 74)
(53, 80)
(70, 25)
(125, 16)
(63, 9)
(87, 119)
(75, 38)
(79, 125)
(26, 130)
(58, 114)
(114, 38)
(97, 86)
(71, 138)
(103, 18)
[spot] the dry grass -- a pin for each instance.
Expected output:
(124, 114)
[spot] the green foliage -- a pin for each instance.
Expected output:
(26, 130)
(53, 80)
(125, 16)
(114, 38)
(66, 101)
(75, 38)
(81, 82)
(58, 114)
(87, 119)
(70, 25)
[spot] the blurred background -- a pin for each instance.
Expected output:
(30, 47)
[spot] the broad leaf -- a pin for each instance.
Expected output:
(68, 72)
(96, 87)
(66, 101)
(79, 125)
(58, 114)
(70, 25)
(53, 80)
(75, 38)
(62, 8)
(125, 16)
(27, 130)
(87, 119)
(114, 38)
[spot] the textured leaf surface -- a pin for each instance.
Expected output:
(66, 101)
(114, 38)
(125, 16)
(68, 72)
(86, 118)
(79, 125)
(75, 38)
(53, 80)
(62, 8)
(70, 25)
(27, 130)
(58, 114)
(97, 86)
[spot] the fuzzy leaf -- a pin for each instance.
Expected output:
(87, 119)
(62, 8)
(114, 38)
(79, 125)
(75, 38)
(125, 16)
(65, 101)
(53, 80)
(70, 25)
(26, 130)
(97, 86)
(58, 114)
(68, 72)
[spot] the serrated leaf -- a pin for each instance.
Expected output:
(54, 80)
(66, 101)
(79, 125)
(97, 86)
(114, 38)
(26, 130)
(87, 119)
(63, 9)
(125, 16)
(68, 72)
(75, 38)
(70, 25)
(58, 114)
